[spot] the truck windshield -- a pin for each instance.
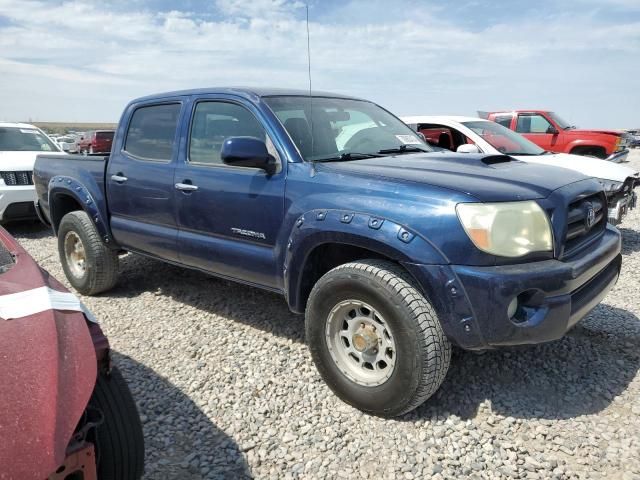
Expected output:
(343, 129)
(14, 139)
(503, 139)
(560, 122)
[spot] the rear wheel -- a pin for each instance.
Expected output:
(375, 339)
(118, 440)
(89, 265)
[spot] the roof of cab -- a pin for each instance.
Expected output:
(250, 93)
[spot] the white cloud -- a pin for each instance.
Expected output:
(99, 58)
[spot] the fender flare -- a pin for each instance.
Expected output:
(375, 233)
(68, 186)
(587, 143)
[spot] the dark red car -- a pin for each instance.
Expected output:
(550, 132)
(65, 412)
(94, 142)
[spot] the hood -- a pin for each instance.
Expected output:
(21, 161)
(488, 178)
(48, 366)
(579, 132)
(591, 167)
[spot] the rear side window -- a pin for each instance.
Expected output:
(504, 120)
(152, 132)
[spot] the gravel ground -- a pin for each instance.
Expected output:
(226, 388)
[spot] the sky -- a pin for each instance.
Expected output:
(84, 60)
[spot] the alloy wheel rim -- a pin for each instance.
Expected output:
(360, 343)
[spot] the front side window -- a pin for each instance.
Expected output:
(325, 128)
(17, 139)
(214, 122)
(152, 132)
(532, 124)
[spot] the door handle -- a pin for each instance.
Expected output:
(186, 187)
(119, 178)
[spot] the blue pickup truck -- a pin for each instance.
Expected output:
(392, 251)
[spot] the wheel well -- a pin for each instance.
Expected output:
(326, 257)
(594, 150)
(61, 205)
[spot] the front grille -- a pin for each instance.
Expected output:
(17, 178)
(583, 226)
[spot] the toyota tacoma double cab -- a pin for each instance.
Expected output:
(392, 252)
(550, 132)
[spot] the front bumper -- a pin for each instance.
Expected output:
(620, 207)
(617, 157)
(16, 203)
(553, 295)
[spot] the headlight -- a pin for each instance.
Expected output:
(509, 229)
(610, 185)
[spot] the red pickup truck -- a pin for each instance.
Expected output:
(549, 131)
(95, 142)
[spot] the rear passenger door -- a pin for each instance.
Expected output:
(139, 178)
(230, 218)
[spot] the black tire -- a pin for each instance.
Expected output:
(423, 351)
(118, 440)
(101, 263)
(596, 152)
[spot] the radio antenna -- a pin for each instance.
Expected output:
(309, 72)
(308, 50)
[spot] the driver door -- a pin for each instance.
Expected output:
(537, 128)
(229, 217)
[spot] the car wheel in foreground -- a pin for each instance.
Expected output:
(375, 339)
(118, 440)
(89, 265)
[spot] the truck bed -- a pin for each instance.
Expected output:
(88, 171)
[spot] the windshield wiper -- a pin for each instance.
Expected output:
(345, 157)
(402, 149)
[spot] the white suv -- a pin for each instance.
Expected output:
(20, 143)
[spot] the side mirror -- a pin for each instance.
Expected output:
(468, 148)
(247, 152)
(552, 130)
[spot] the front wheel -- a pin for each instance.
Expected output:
(375, 339)
(118, 439)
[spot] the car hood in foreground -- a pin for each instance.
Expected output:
(591, 167)
(48, 369)
(488, 178)
(21, 161)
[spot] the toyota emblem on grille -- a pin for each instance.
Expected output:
(591, 216)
